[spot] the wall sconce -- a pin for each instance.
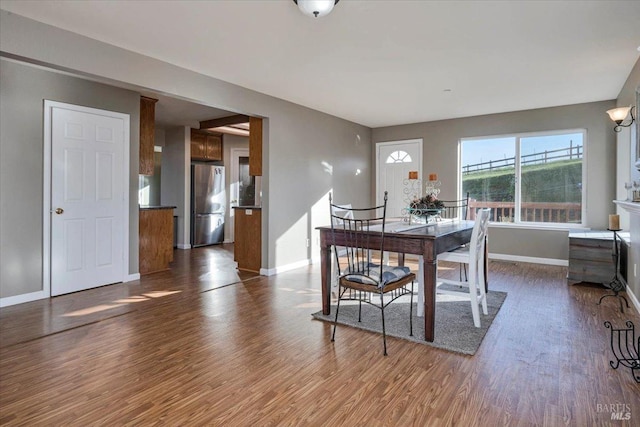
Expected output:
(316, 8)
(620, 115)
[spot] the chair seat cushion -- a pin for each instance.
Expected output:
(390, 274)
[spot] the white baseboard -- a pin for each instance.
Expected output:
(283, 268)
(529, 259)
(633, 299)
(19, 299)
(183, 246)
(132, 277)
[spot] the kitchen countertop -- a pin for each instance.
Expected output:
(157, 207)
(246, 207)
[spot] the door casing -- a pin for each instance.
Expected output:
(380, 162)
(47, 207)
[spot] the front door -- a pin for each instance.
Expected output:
(87, 197)
(394, 162)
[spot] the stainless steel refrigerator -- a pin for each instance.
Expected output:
(208, 204)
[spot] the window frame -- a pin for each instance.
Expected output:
(518, 223)
(402, 157)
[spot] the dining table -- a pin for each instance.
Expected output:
(425, 240)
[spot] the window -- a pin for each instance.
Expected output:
(399, 157)
(526, 178)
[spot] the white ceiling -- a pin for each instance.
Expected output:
(379, 63)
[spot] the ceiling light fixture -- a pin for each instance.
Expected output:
(316, 8)
(620, 116)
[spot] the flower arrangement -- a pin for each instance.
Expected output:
(428, 202)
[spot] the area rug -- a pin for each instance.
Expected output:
(454, 321)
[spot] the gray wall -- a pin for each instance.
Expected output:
(306, 153)
(440, 156)
(627, 170)
(23, 90)
(176, 179)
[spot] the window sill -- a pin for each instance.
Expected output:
(539, 226)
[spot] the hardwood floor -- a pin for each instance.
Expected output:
(195, 350)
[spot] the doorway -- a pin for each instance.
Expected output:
(86, 198)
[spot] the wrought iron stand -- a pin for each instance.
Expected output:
(616, 284)
(412, 191)
(625, 348)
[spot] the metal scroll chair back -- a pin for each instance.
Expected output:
(348, 222)
(456, 208)
(338, 214)
(359, 236)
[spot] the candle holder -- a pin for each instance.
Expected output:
(412, 190)
(432, 187)
(421, 209)
(628, 193)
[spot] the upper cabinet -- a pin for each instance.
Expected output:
(147, 131)
(204, 149)
(205, 146)
(255, 146)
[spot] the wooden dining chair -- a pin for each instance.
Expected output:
(361, 278)
(472, 255)
(457, 209)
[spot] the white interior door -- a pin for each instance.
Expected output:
(87, 198)
(394, 162)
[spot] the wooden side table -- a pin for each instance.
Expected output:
(590, 256)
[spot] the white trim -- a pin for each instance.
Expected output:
(46, 187)
(132, 277)
(632, 207)
(19, 299)
(633, 298)
(542, 226)
(283, 268)
(184, 246)
(379, 145)
(46, 202)
(529, 259)
(518, 172)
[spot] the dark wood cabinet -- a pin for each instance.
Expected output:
(147, 135)
(255, 146)
(156, 239)
(198, 142)
(247, 238)
(205, 146)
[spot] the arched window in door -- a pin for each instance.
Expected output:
(399, 157)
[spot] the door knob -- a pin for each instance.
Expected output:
(59, 211)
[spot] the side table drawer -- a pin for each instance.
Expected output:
(590, 271)
(591, 254)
